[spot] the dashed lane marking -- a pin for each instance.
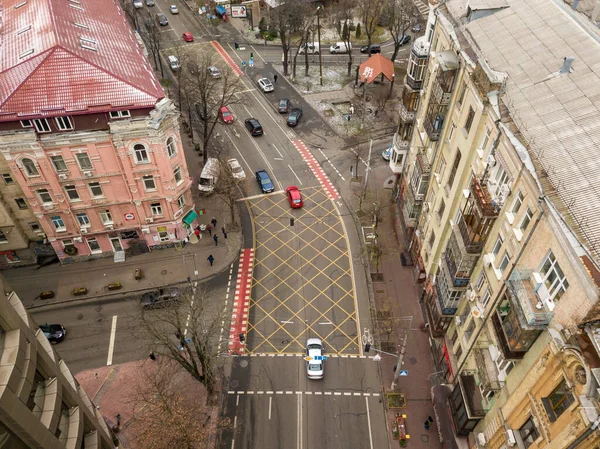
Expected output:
(316, 168)
(316, 393)
(227, 58)
(241, 298)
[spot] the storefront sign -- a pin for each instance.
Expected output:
(238, 11)
(129, 216)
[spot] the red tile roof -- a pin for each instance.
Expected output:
(62, 57)
(375, 66)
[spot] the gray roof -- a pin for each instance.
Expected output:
(557, 114)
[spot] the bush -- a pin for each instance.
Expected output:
(262, 25)
(357, 34)
(273, 34)
(345, 32)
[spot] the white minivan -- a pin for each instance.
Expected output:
(340, 47)
(209, 176)
(312, 48)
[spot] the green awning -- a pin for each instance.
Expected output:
(190, 217)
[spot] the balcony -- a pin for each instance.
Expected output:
(459, 279)
(466, 405)
(405, 114)
(409, 104)
(530, 310)
(433, 128)
(460, 262)
(473, 242)
(483, 199)
(439, 96)
(448, 297)
(486, 370)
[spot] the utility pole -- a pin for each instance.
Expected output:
(368, 168)
(320, 51)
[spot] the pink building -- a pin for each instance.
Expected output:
(87, 131)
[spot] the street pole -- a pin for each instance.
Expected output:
(368, 168)
(320, 50)
(399, 363)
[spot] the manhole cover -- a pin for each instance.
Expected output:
(412, 360)
(234, 384)
(244, 363)
(424, 438)
(163, 272)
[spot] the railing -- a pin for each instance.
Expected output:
(433, 132)
(467, 236)
(446, 306)
(506, 350)
(487, 383)
(484, 199)
(530, 310)
(457, 281)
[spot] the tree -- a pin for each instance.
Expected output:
(370, 13)
(287, 18)
(399, 13)
(228, 188)
(131, 12)
(209, 94)
(306, 22)
(344, 13)
(357, 33)
(263, 25)
(185, 333)
(153, 38)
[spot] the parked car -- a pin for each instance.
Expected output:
(266, 85)
(188, 37)
(236, 169)
(340, 47)
(174, 63)
(254, 126)
(404, 39)
(55, 333)
(294, 117)
(174, 9)
(214, 71)
(149, 2)
(137, 4)
(387, 153)
(310, 48)
(284, 106)
(315, 369)
(264, 181)
(294, 197)
(162, 19)
(163, 297)
(371, 49)
(225, 115)
(416, 28)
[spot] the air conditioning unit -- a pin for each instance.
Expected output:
(88, 174)
(471, 295)
(84, 230)
(110, 227)
(481, 438)
(149, 220)
(426, 206)
(62, 176)
(77, 239)
(457, 320)
(510, 438)
(487, 259)
(505, 190)
(491, 160)
(145, 230)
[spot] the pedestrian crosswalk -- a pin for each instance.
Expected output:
(423, 7)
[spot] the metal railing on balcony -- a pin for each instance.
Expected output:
(486, 370)
(457, 278)
(502, 339)
(448, 306)
(472, 396)
(531, 311)
(469, 236)
(483, 199)
(405, 114)
(440, 96)
(433, 129)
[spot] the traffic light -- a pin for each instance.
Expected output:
(367, 347)
(242, 338)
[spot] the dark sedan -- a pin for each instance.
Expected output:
(160, 298)
(254, 126)
(284, 106)
(55, 333)
(294, 117)
(371, 49)
(264, 181)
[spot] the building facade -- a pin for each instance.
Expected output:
(97, 151)
(509, 267)
(41, 403)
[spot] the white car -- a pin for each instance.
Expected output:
(236, 169)
(315, 369)
(265, 85)
(214, 71)
(137, 4)
(174, 9)
(387, 153)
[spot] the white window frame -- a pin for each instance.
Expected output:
(42, 125)
(64, 123)
(93, 239)
(26, 124)
(181, 201)
(171, 147)
(3, 238)
(141, 155)
(95, 184)
(559, 282)
(485, 297)
(504, 262)
(149, 178)
(177, 174)
(119, 114)
(35, 227)
(480, 281)
(156, 209)
(451, 132)
(527, 216)
(83, 220)
(7, 178)
(58, 160)
(58, 223)
(24, 203)
(498, 245)
(485, 139)
(164, 238)
(81, 155)
(106, 217)
(41, 193)
(70, 189)
(30, 174)
(517, 203)
(67, 242)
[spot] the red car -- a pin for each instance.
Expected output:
(188, 37)
(294, 197)
(226, 115)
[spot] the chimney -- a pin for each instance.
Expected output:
(567, 63)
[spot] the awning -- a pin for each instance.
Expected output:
(443, 419)
(190, 217)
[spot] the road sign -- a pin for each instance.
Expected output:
(320, 357)
(243, 63)
(403, 372)
(251, 62)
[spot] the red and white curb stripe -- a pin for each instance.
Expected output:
(227, 58)
(241, 298)
(316, 168)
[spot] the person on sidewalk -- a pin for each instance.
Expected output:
(216, 239)
(152, 356)
(275, 79)
(224, 233)
(214, 222)
(209, 229)
(211, 259)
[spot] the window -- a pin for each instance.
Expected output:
(42, 125)
(504, 263)
(526, 219)
(171, 148)
(469, 121)
(156, 209)
(21, 204)
(558, 401)
(553, 277)
(68, 243)
(461, 95)
(106, 217)
(141, 154)
(529, 432)
(95, 190)
(497, 245)
(64, 123)
(35, 227)
(84, 161)
(162, 233)
(441, 209)
(58, 223)
(149, 184)
(26, 124)
(441, 169)
(72, 193)
(485, 298)
(453, 171)
(518, 202)
(83, 220)
(431, 239)
(30, 167)
(458, 353)
(3, 238)
(59, 163)
(119, 114)
(497, 180)
(470, 329)
(177, 174)
(7, 179)
(93, 245)
(44, 196)
(451, 132)
(181, 201)
(480, 281)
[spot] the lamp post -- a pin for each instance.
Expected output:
(319, 37)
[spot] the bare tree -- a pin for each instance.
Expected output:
(186, 333)
(153, 38)
(398, 14)
(343, 14)
(209, 93)
(370, 14)
(307, 21)
(288, 18)
(131, 12)
(375, 253)
(229, 186)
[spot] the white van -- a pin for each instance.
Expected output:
(340, 47)
(174, 63)
(209, 176)
(312, 48)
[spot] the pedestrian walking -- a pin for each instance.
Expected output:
(251, 55)
(209, 229)
(224, 233)
(426, 425)
(275, 78)
(351, 109)
(236, 45)
(430, 419)
(152, 356)
(197, 232)
(214, 222)
(216, 239)
(211, 259)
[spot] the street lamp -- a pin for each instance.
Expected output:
(320, 50)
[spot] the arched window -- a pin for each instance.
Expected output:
(30, 167)
(141, 154)
(171, 147)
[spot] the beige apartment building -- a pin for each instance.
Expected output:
(41, 403)
(499, 206)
